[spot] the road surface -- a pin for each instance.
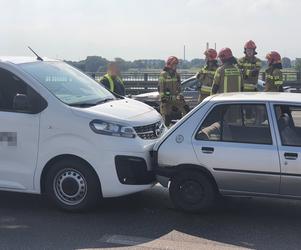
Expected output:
(148, 221)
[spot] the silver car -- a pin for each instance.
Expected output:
(190, 90)
(233, 144)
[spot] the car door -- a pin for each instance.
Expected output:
(235, 143)
(288, 123)
(19, 133)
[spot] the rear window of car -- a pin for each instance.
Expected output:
(289, 124)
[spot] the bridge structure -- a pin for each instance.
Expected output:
(147, 81)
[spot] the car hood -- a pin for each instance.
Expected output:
(126, 111)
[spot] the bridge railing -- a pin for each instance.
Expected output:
(143, 82)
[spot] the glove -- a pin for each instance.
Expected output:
(180, 97)
(164, 99)
(186, 108)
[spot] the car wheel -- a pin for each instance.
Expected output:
(72, 185)
(192, 191)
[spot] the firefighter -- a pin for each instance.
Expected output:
(250, 66)
(112, 81)
(170, 91)
(207, 73)
(273, 74)
(228, 77)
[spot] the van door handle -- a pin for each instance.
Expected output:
(207, 150)
(291, 156)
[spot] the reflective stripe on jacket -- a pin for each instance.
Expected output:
(111, 81)
(228, 78)
(206, 76)
(273, 79)
(169, 84)
(250, 68)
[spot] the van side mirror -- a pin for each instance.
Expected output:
(21, 103)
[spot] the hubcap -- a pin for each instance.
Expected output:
(70, 186)
(191, 191)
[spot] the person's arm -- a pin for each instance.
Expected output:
(278, 79)
(200, 77)
(216, 82)
(240, 63)
(241, 82)
(200, 74)
(161, 87)
(105, 82)
(179, 89)
(255, 72)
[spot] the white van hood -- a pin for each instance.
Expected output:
(126, 111)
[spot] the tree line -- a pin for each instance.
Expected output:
(99, 64)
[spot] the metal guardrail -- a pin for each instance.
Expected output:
(143, 82)
(140, 76)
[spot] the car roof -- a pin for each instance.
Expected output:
(258, 96)
(22, 59)
(188, 79)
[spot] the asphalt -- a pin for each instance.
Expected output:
(148, 221)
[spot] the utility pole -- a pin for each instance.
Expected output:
(207, 45)
(215, 46)
(184, 56)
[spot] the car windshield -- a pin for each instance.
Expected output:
(190, 84)
(68, 84)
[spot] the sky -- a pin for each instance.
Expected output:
(147, 29)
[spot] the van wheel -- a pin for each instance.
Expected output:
(72, 185)
(192, 191)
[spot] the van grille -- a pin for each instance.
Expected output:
(150, 132)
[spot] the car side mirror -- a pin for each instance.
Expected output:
(21, 103)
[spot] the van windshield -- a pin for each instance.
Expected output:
(68, 84)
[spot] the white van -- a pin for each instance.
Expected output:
(64, 135)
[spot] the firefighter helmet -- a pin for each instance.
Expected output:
(273, 57)
(250, 45)
(210, 54)
(171, 61)
(225, 54)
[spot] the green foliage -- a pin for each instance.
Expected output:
(99, 64)
(298, 64)
(286, 62)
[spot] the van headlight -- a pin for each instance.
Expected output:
(112, 129)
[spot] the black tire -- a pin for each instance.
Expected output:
(72, 185)
(192, 191)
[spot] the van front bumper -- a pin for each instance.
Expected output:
(133, 170)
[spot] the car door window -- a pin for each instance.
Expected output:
(191, 85)
(237, 123)
(10, 87)
(289, 124)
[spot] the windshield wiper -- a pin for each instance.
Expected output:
(104, 100)
(82, 105)
(89, 104)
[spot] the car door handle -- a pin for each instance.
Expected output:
(291, 156)
(207, 150)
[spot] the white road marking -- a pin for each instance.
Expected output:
(161, 243)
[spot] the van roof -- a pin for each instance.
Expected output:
(22, 59)
(258, 96)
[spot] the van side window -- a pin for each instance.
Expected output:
(10, 87)
(237, 123)
(289, 124)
